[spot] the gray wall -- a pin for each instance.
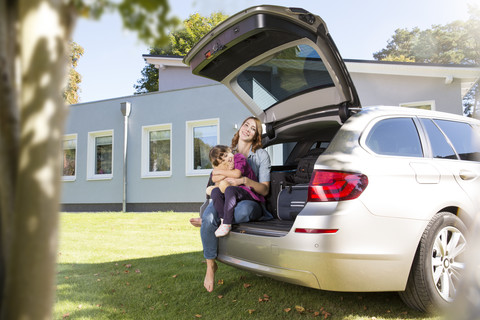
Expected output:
(173, 78)
(174, 107)
(377, 89)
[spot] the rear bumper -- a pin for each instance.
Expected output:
(368, 253)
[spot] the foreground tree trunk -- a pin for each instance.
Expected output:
(33, 63)
(32, 68)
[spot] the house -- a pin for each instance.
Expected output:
(149, 152)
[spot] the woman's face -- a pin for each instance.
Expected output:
(248, 130)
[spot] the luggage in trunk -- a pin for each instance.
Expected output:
(291, 201)
(279, 181)
(305, 166)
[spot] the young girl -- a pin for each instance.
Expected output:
(226, 197)
(222, 158)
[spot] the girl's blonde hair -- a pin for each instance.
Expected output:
(257, 139)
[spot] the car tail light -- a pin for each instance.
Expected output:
(310, 230)
(336, 185)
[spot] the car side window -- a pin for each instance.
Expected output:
(395, 137)
(463, 137)
(441, 149)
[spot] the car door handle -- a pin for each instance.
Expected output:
(467, 175)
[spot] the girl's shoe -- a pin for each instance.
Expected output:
(223, 230)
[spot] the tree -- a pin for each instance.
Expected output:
(33, 61)
(180, 42)
(454, 43)
(70, 94)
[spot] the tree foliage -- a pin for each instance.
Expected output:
(34, 54)
(70, 94)
(454, 43)
(180, 41)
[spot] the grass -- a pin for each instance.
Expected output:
(150, 266)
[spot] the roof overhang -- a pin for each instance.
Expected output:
(162, 62)
(467, 75)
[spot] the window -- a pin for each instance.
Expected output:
(100, 155)
(69, 157)
(441, 149)
(201, 137)
(463, 137)
(157, 151)
(395, 137)
(427, 105)
(281, 76)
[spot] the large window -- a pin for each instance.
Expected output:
(285, 74)
(426, 105)
(157, 151)
(395, 137)
(69, 157)
(100, 155)
(201, 137)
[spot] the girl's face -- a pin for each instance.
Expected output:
(228, 162)
(248, 130)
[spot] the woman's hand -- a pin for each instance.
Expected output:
(259, 187)
(234, 181)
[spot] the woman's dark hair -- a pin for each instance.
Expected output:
(217, 154)
(257, 139)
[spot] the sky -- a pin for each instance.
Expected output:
(112, 62)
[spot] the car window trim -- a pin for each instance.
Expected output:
(444, 135)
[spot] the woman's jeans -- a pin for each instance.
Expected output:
(247, 210)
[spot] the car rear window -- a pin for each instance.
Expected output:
(285, 74)
(395, 137)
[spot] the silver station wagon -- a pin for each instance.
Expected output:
(367, 199)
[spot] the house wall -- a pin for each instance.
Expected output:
(176, 192)
(174, 78)
(377, 89)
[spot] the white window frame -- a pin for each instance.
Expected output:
(75, 138)
(146, 151)
(417, 104)
(91, 155)
(190, 125)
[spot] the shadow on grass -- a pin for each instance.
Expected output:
(171, 287)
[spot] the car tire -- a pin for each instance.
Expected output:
(438, 264)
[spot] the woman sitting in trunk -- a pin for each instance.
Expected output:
(247, 141)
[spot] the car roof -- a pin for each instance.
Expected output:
(404, 111)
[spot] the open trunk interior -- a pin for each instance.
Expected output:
(289, 181)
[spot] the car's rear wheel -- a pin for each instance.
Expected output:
(438, 264)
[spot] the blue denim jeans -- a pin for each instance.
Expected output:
(245, 211)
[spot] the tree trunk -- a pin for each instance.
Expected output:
(9, 131)
(31, 189)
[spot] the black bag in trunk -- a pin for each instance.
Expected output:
(291, 201)
(305, 166)
(279, 180)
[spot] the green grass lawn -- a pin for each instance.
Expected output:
(150, 266)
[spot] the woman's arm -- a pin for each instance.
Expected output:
(217, 178)
(261, 188)
(234, 173)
